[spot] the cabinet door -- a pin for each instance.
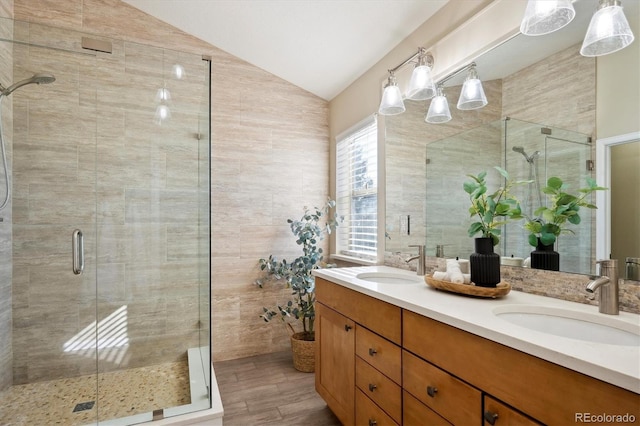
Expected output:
(499, 414)
(335, 362)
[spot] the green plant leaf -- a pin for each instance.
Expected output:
(575, 219)
(554, 182)
(547, 239)
(533, 240)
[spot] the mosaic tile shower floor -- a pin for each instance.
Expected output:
(120, 394)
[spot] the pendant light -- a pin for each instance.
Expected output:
(438, 109)
(546, 16)
(608, 30)
(391, 103)
(421, 86)
(472, 94)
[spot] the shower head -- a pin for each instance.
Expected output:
(530, 158)
(40, 78)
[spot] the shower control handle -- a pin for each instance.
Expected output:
(77, 244)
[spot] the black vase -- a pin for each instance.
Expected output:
(545, 257)
(485, 264)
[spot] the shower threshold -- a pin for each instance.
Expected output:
(195, 413)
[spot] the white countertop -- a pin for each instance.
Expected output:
(615, 364)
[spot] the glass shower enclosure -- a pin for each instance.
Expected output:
(105, 242)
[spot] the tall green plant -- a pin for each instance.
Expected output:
(564, 207)
(491, 210)
(297, 274)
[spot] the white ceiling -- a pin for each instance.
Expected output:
(321, 46)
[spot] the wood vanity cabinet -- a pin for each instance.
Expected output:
(358, 356)
(377, 364)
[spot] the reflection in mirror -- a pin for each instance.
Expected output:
(534, 152)
(532, 79)
(625, 205)
(533, 93)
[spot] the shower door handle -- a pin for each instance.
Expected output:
(77, 243)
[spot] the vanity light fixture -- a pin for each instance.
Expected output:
(391, 103)
(421, 86)
(472, 94)
(608, 30)
(438, 108)
(546, 16)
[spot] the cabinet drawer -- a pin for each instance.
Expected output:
(498, 414)
(369, 414)
(547, 392)
(415, 413)
(381, 317)
(380, 389)
(453, 399)
(379, 352)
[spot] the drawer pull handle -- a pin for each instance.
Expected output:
(490, 417)
(431, 391)
(372, 422)
(372, 351)
(347, 327)
(372, 387)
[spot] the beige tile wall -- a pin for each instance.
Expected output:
(6, 263)
(269, 159)
(87, 151)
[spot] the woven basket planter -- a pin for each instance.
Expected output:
(304, 353)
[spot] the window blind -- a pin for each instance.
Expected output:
(357, 190)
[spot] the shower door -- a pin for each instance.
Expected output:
(53, 137)
(110, 228)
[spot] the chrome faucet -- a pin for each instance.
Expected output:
(420, 257)
(607, 282)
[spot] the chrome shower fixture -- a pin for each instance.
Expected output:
(530, 158)
(40, 78)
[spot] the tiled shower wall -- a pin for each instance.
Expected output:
(86, 152)
(270, 157)
(6, 263)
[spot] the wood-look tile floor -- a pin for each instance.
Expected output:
(267, 390)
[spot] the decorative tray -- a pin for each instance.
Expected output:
(501, 289)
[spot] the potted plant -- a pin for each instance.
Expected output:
(491, 211)
(297, 275)
(552, 220)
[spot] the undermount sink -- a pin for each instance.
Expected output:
(579, 325)
(389, 278)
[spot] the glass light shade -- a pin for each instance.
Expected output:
(163, 113)
(163, 95)
(421, 86)
(546, 16)
(472, 94)
(608, 32)
(391, 103)
(438, 109)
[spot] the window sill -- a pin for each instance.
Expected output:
(351, 259)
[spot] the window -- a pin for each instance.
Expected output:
(357, 190)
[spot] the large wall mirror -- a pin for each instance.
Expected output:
(540, 122)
